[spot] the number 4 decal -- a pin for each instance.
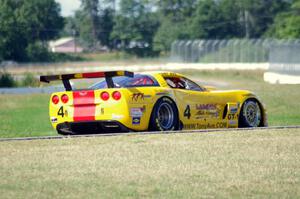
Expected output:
(61, 111)
(187, 112)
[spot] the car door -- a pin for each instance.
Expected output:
(198, 107)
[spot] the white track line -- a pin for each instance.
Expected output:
(146, 133)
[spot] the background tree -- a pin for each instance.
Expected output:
(235, 18)
(13, 40)
(208, 21)
(91, 14)
(286, 24)
(25, 26)
(135, 26)
(257, 16)
(107, 23)
(95, 21)
(41, 19)
(174, 18)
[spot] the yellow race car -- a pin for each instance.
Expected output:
(150, 101)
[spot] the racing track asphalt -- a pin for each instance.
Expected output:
(147, 133)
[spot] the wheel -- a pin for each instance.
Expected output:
(164, 116)
(250, 115)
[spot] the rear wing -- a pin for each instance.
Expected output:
(108, 75)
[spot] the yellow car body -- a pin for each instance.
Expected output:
(192, 107)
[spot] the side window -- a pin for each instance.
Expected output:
(175, 82)
(190, 85)
(183, 83)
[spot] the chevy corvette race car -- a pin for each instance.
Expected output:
(154, 101)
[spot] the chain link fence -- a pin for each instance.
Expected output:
(284, 57)
(231, 51)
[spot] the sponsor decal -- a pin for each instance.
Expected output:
(53, 119)
(137, 96)
(205, 126)
(170, 74)
(136, 112)
(233, 110)
(136, 120)
(206, 106)
(207, 111)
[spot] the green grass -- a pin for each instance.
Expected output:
(254, 164)
(27, 115)
(24, 115)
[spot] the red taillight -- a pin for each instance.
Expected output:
(55, 99)
(104, 96)
(116, 95)
(64, 98)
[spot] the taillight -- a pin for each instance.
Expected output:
(116, 95)
(104, 96)
(55, 99)
(64, 98)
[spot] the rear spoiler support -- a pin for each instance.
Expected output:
(108, 75)
(67, 84)
(110, 82)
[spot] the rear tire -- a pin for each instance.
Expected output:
(164, 116)
(250, 115)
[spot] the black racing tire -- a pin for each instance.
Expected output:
(250, 115)
(164, 116)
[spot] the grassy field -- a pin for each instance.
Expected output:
(256, 164)
(24, 115)
(27, 115)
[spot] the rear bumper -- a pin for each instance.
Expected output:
(94, 127)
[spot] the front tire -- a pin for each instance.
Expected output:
(164, 116)
(250, 115)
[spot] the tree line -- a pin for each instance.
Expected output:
(25, 28)
(141, 27)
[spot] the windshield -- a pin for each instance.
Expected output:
(126, 82)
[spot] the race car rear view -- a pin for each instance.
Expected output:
(155, 101)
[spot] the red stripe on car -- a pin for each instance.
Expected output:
(84, 105)
(93, 75)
